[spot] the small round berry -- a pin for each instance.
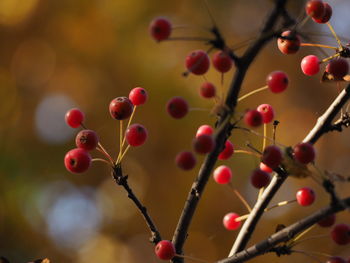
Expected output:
(272, 156)
(227, 151)
(160, 29)
(165, 250)
(265, 168)
(277, 81)
(288, 42)
(327, 221)
(253, 118)
(230, 222)
(222, 61)
(197, 62)
(222, 174)
(315, 9)
(304, 153)
(310, 65)
(185, 160)
(74, 117)
(121, 108)
(138, 96)
(326, 16)
(87, 140)
(338, 67)
(305, 196)
(341, 234)
(207, 90)
(336, 259)
(136, 135)
(267, 112)
(260, 179)
(204, 129)
(203, 144)
(177, 107)
(77, 160)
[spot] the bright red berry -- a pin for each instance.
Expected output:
(315, 9)
(267, 112)
(138, 96)
(336, 259)
(177, 107)
(253, 118)
(136, 135)
(207, 90)
(160, 29)
(165, 250)
(222, 61)
(304, 153)
(327, 221)
(265, 168)
(74, 117)
(203, 144)
(310, 65)
(338, 67)
(277, 81)
(272, 156)
(326, 16)
(77, 160)
(305, 196)
(230, 222)
(341, 234)
(87, 140)
(205, 129)
(288, 42)
(222, 174)
(185, 160)
(227, 151)
(121, 108)
(197, 62)
(260, 178)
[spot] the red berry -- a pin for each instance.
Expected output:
(207, 90)
(197, 62)
(267, 112)
(265, 168)
(222, 174)
(315, 9)
(305, 196)
(121, 108)
(230, 222)
(227, 151)
(74, 117)
(327, 221)
(326, 16)
(160, 29)
(165, 250)
(253, 118)
(260, 179)
(138, 96)
(341, 234)
(185, 160)
(310, 65)
(289, 42)
(304, 153)
(222, 61)
(277, 81)
(204, 129)
(177, 107)
(338, 67)
(272, 156)
(87, 140)
(136, 134)
(77, 160)
(203, 144)
(336, 259)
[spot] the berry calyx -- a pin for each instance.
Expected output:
(338, 67)
(260, 178)
(87, 140)
(327, 221)
(136, 135)
(305, 196)
(267, 112)
(288, 42)
(203, 144)
(229, 221)
(222, 174)
(207, 90)
(77, 160)
(341, 234)
(304, 153)
(165, 250)
(272, 156)
(204, 129)
(222, 61)
(138, 96)
(336, 259)
(177, 107)
(74, 117)
(277, 81)
(315, 9)
(265, 168)
(121, 108)
(227, 151)
(253, 118)
(160, 28)
(326, 16)
(185, 160)
(197, 62)
(310, 65)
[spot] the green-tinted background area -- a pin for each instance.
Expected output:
(55, 55)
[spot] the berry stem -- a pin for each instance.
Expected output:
(307, 254)
(122, 142)
(248, 152)
(105, 153)
(240, 197)
(252, 92)
(121, 136)
(335, 36)
(100, 160)
(314, 253)
(280, 204)
(330, 58)
(192, 258)
(122, 155)
(265, 136)
(317, 45)
(309, 238)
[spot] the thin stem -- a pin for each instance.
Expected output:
(293, 241)
(314, 253)
(307, 254)
(335, 36)
(240, 197)
(192, 258)
(121, 135)
(101, 160)
(122, 156)
(309, 238)
(251, 93)
(317, 45)
(264, 138)
(330, 58)
(248, 152)
(280, 204)
(105, 153)
(129, 122)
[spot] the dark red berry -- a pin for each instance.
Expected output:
(230, 222)
(197, 62)
(315, 9)
(304, 153)
(338, 67)
(204, 129)
(253, 118)
(87, 140)
(77, 160)
(207, 90)
(74, 117)
(222, 174)
(121, 108)
(272, 156)
(289, 42)
(326, 16)
(305, 196)
(136, 135)
(277, 81)
(336, 259)
(185, 160)
(265, 168)
(203, 144)
(267, 112)
(310, 65)
(160, 29)
(138, 96)
(165, 250)
(177, 107)
(327, 221)
(341, 234)
(227, 151)
(260, 179)
(222, 61)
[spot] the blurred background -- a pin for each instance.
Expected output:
(55, 55)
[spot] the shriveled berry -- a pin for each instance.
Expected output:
(138, 96)
(222, 61)
(165, 250)
(74, 117)
(265, 168)
(288, 42)
(253, 118)
(203, 144)
(341, 234)
(272, 156)
(204, 129)
(87, 140)
(315, 9)
(121, 108)
(260, 179)
(267, 112)
(222, 174)
(77, 160)
(227, 151)
(305, 196)
(338, 67)
(304, 153)
(177, 107)
(327, 221)
(197, 62)
(185, 160)
(277, 81)
(310, 65)
(136, 135)
(160, 28)
(326, 16)
(229, 221)
(207, 90)
(336, 259)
